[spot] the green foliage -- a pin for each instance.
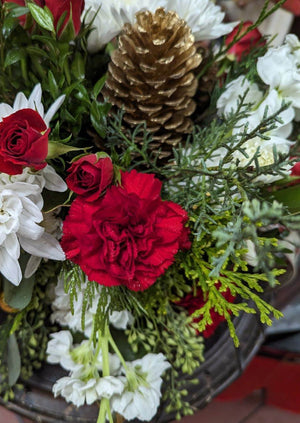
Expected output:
(60, 66)
(24, 335)
(175, 335)
(219, 267)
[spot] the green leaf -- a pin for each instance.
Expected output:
(56, 149)
(13, 360)
(19, 11)
(78, 66)
(99, 85)
(42, 16)
(13, 56)
(53, 85)
(290, 197)
(19, 296)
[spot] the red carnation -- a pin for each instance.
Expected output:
(127, 237)
(246, 43)
(72, 9)
(295, 171)
(23, 142)
(90, 176)
(193, 303)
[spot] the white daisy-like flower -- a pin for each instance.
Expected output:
(203, 17)
(109, 18)
(236, 89)
(142, 403)
(34, 102)
(279, 69)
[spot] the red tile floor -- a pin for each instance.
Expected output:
(249, 410)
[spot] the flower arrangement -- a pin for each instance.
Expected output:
(148, 188)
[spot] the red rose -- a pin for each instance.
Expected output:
(192, 303)
(90, 176)
(127, 237)
(23, 142)
(246, 43)
(72, 8)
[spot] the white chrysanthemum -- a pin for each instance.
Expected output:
(34, 102)
(62, 313)
(44, 178)
(109, 17)
(229, 100)
(142, 402)
(277, 138)
(203, 17)
(279, 69)
(20, 226)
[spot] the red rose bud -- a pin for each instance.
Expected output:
(90, 176)
(72, 9)
(246, 43)
(129, 236)
(23, 142)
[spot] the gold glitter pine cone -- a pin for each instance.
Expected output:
(150, 76)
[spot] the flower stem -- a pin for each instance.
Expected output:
(117, 351)
(103, 344)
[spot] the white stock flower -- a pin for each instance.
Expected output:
(277, 138)
(109, 17)
(142, 402)
(59, 350)
(279, 69)
(63, 315)
(78, 389)
(294, 44)
(75, 390)
(34, 102)
(203, 17)
(229, 100)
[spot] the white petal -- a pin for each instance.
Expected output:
(46, 247)
(10, 268)
(32, 266)
(5, 110)
(20, 102)
(12, 246)
(53, 109)
(109, 386)
(53, 182)
(35, 100)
